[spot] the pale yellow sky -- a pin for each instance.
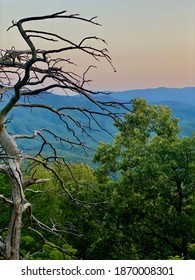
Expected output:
(152, 42)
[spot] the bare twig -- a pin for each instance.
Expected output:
(26, 73)
(2, 197)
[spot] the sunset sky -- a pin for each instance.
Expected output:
(151, 42)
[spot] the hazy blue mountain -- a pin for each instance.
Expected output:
(184, 95)
(181, 101)
(25, 120)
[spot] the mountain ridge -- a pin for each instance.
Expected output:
(181, 101)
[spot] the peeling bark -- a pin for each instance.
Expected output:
(13, 163)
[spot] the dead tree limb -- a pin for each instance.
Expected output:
(28, 73)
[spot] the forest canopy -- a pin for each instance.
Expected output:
(138, 202)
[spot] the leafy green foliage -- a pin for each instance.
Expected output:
(76, 220)
(152, 198)
(4, 207)
(48, 251)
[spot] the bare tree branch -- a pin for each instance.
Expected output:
(43, 163)
(34, 181)
(2, 197)
(27, 73)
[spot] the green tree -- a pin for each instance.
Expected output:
(150, 173)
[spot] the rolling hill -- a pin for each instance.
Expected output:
(26, 120)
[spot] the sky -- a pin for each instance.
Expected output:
(151, 42)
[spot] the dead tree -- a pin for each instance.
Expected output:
(26, 73)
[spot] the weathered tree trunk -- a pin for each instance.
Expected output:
(17, 202)
(34, 67)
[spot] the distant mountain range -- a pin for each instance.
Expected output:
(180, 101)
(25, 120)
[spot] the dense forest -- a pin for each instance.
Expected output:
(137, 203)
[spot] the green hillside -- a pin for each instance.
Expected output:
(26, 120)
